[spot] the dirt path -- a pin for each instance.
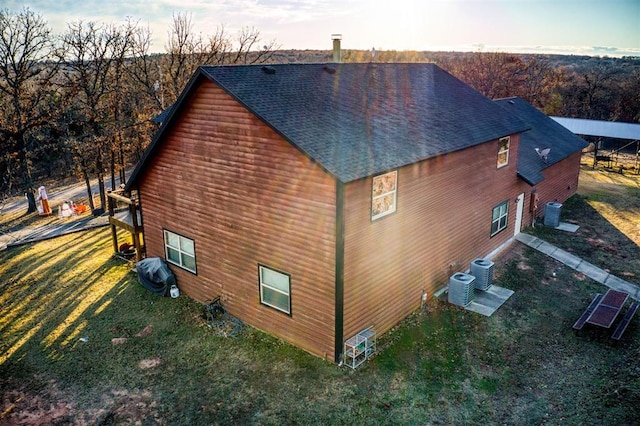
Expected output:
(57, 195)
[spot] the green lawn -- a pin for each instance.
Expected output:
(63, 301)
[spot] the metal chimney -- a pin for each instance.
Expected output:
(337, 56)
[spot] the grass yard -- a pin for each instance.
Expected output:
(64, 301)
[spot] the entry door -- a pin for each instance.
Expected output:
(519, 212)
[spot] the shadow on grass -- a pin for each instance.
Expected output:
(11, 222)
(59, 274)
(63, 301)
(46, 307)
(57, 321)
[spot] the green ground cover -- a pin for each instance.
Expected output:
(64, 301)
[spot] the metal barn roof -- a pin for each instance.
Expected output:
(608, 129)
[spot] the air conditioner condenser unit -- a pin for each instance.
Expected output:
(461, 288)
(482, 269)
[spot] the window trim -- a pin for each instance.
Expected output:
(503, 151)
(384, 194)
(261, 285)
(505, 216)
(165, 232)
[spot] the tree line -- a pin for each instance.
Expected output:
(80, 102)
(563, 85)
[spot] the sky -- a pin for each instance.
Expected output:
(582, 27)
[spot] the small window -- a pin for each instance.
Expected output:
(500, 215)
(275, 289)
(383, 200)
(180, 251)
(503, 151)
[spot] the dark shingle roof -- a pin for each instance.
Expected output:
(160, 118)
(358, 119)
(545, 133)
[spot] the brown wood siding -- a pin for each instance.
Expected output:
(442, 223)
(560, 182)
(246, 197)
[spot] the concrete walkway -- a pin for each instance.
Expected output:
(576, 263)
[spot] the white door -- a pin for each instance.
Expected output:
(519, 212)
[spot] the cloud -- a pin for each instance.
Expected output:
(567, 50)
(605, 49)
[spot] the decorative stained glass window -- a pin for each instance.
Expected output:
(384, 195)
(503, 151)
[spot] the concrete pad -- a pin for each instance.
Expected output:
(526, 238)
(567, 258)
(546, 248)
(580, 265)
(592, 272)
(568, 227)
(487, 302)
(479, 308)
(501, 292)
(618, 284)
(529, 240)
(440, 293)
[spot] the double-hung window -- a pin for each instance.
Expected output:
(180, 251)
(384, 194)
(499, 218)
(275, 289)
(503, 151)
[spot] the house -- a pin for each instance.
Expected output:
(318, 200)
(554, 177)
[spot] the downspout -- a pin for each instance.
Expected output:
(339, 270)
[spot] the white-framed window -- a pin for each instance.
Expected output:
(503, 151)
(384, 194)
(275, 289)
(499, 218)
(180, 251)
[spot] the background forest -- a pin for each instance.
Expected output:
(81, 103)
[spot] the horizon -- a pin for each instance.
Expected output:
(565, 27)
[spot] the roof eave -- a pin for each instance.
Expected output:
(528, 180)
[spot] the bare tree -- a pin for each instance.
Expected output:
(95, 56)
(628, 108)
(28, 96)
(539, 83)
(144, 69)
(122, 49)
(591, 92)
(246, 41)
(163, 77)
(185, 52)
(491, 73)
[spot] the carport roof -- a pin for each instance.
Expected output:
(608, 129)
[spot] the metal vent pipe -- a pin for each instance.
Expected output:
(337, 55)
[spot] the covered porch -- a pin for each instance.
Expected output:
(125, 213)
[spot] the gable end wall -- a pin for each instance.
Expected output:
(246, 197)
(560, 182)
